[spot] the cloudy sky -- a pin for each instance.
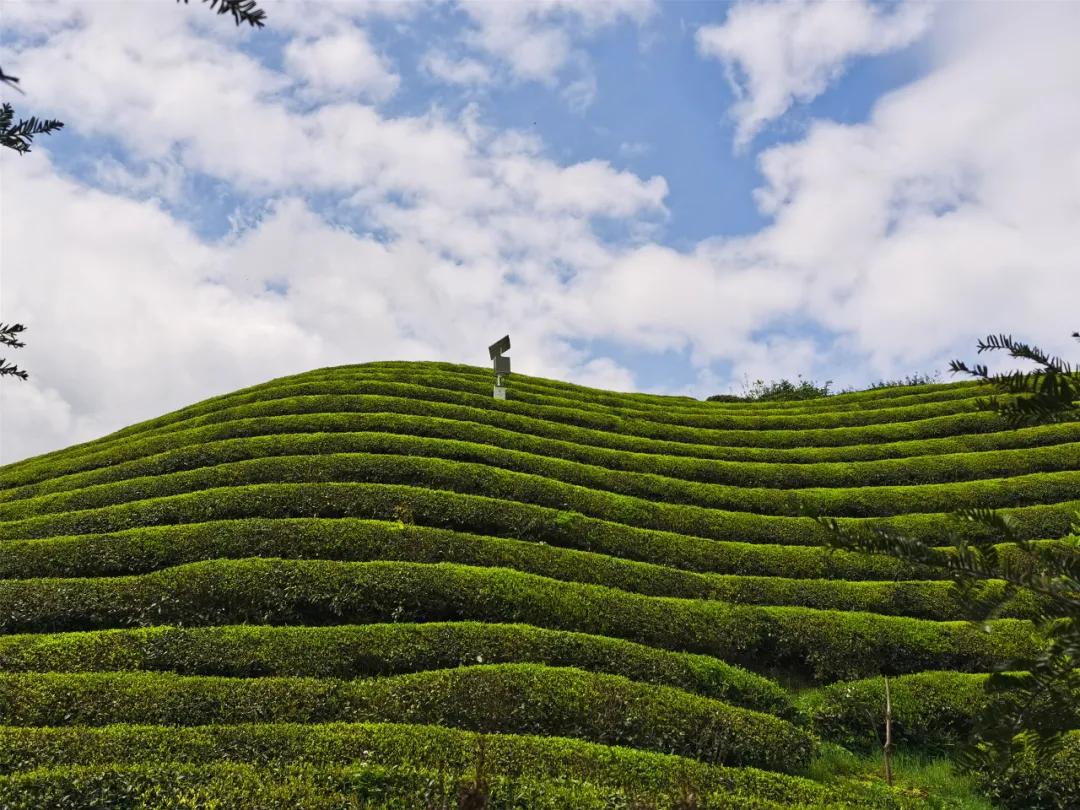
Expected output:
(669, 197)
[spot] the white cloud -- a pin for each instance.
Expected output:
(535, 38)
(580, 94)
(163, 179)
(917, 232)
(462, 71)
(779, 53)
(131, 314)
(340, 63)
(634, 148)
(901, 239)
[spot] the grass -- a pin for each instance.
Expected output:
(914, 773)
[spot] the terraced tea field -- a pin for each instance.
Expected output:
(377, 586)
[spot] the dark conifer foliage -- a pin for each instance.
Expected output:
(8, 333)
(243, 11)
(20, 135)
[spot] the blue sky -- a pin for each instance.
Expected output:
(672, 197)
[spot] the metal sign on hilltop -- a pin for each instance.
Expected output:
(500, 364)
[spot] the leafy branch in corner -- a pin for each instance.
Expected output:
(243, 11)
(8, 337)
(1048, 394)
(1032, 702)
(19, 136)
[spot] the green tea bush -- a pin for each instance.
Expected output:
(352, 651)
(1031, 784)
(633, 473)
(588, 490)
(451, 751)
(517, 698)
(396, 414)
(825, 645)
(509, 514)
(615, 558)
(930, 710)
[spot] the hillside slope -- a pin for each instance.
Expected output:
(377, 586)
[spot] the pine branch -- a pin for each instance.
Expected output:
(1048, 394)
(243, 11)
(11, 370)
(10, 81)
(20, 135)
(8, 337)
(8, 333)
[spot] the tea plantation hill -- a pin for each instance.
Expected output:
(377, 586)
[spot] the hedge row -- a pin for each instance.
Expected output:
(670, 477)
(590, 490)
(142, 551)
(508, 698)
(354, 651)
(689, 413)
(632, 433)
(1033, 784)
(640, 561)
(408, 369)
(450, 750)
(558, 409)
(557, 418)
(824, 645)
(458, 423)
(611, 515)
(532, 389)
(233, 785)
(478, 379)
(371, 787)
(930, 709)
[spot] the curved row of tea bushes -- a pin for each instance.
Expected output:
(600, 428)
(479, 380)
(355, 651)
(592, 491)
(691, 414)
(451, 750)
(934, 710)
(607, 515)
(611, 431)
(475, 424)
(534, 391)
(237, 786)
(360, 787)
(630, 473)
(508, 698)
(557, 419)
(659, 421)
(648, 562)
(129, 553)
(824, 645)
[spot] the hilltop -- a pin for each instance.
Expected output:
(376, 585)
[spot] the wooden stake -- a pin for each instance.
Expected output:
(888, 733)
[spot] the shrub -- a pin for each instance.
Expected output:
(821, 644)
(345, 651)
(516, 698)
